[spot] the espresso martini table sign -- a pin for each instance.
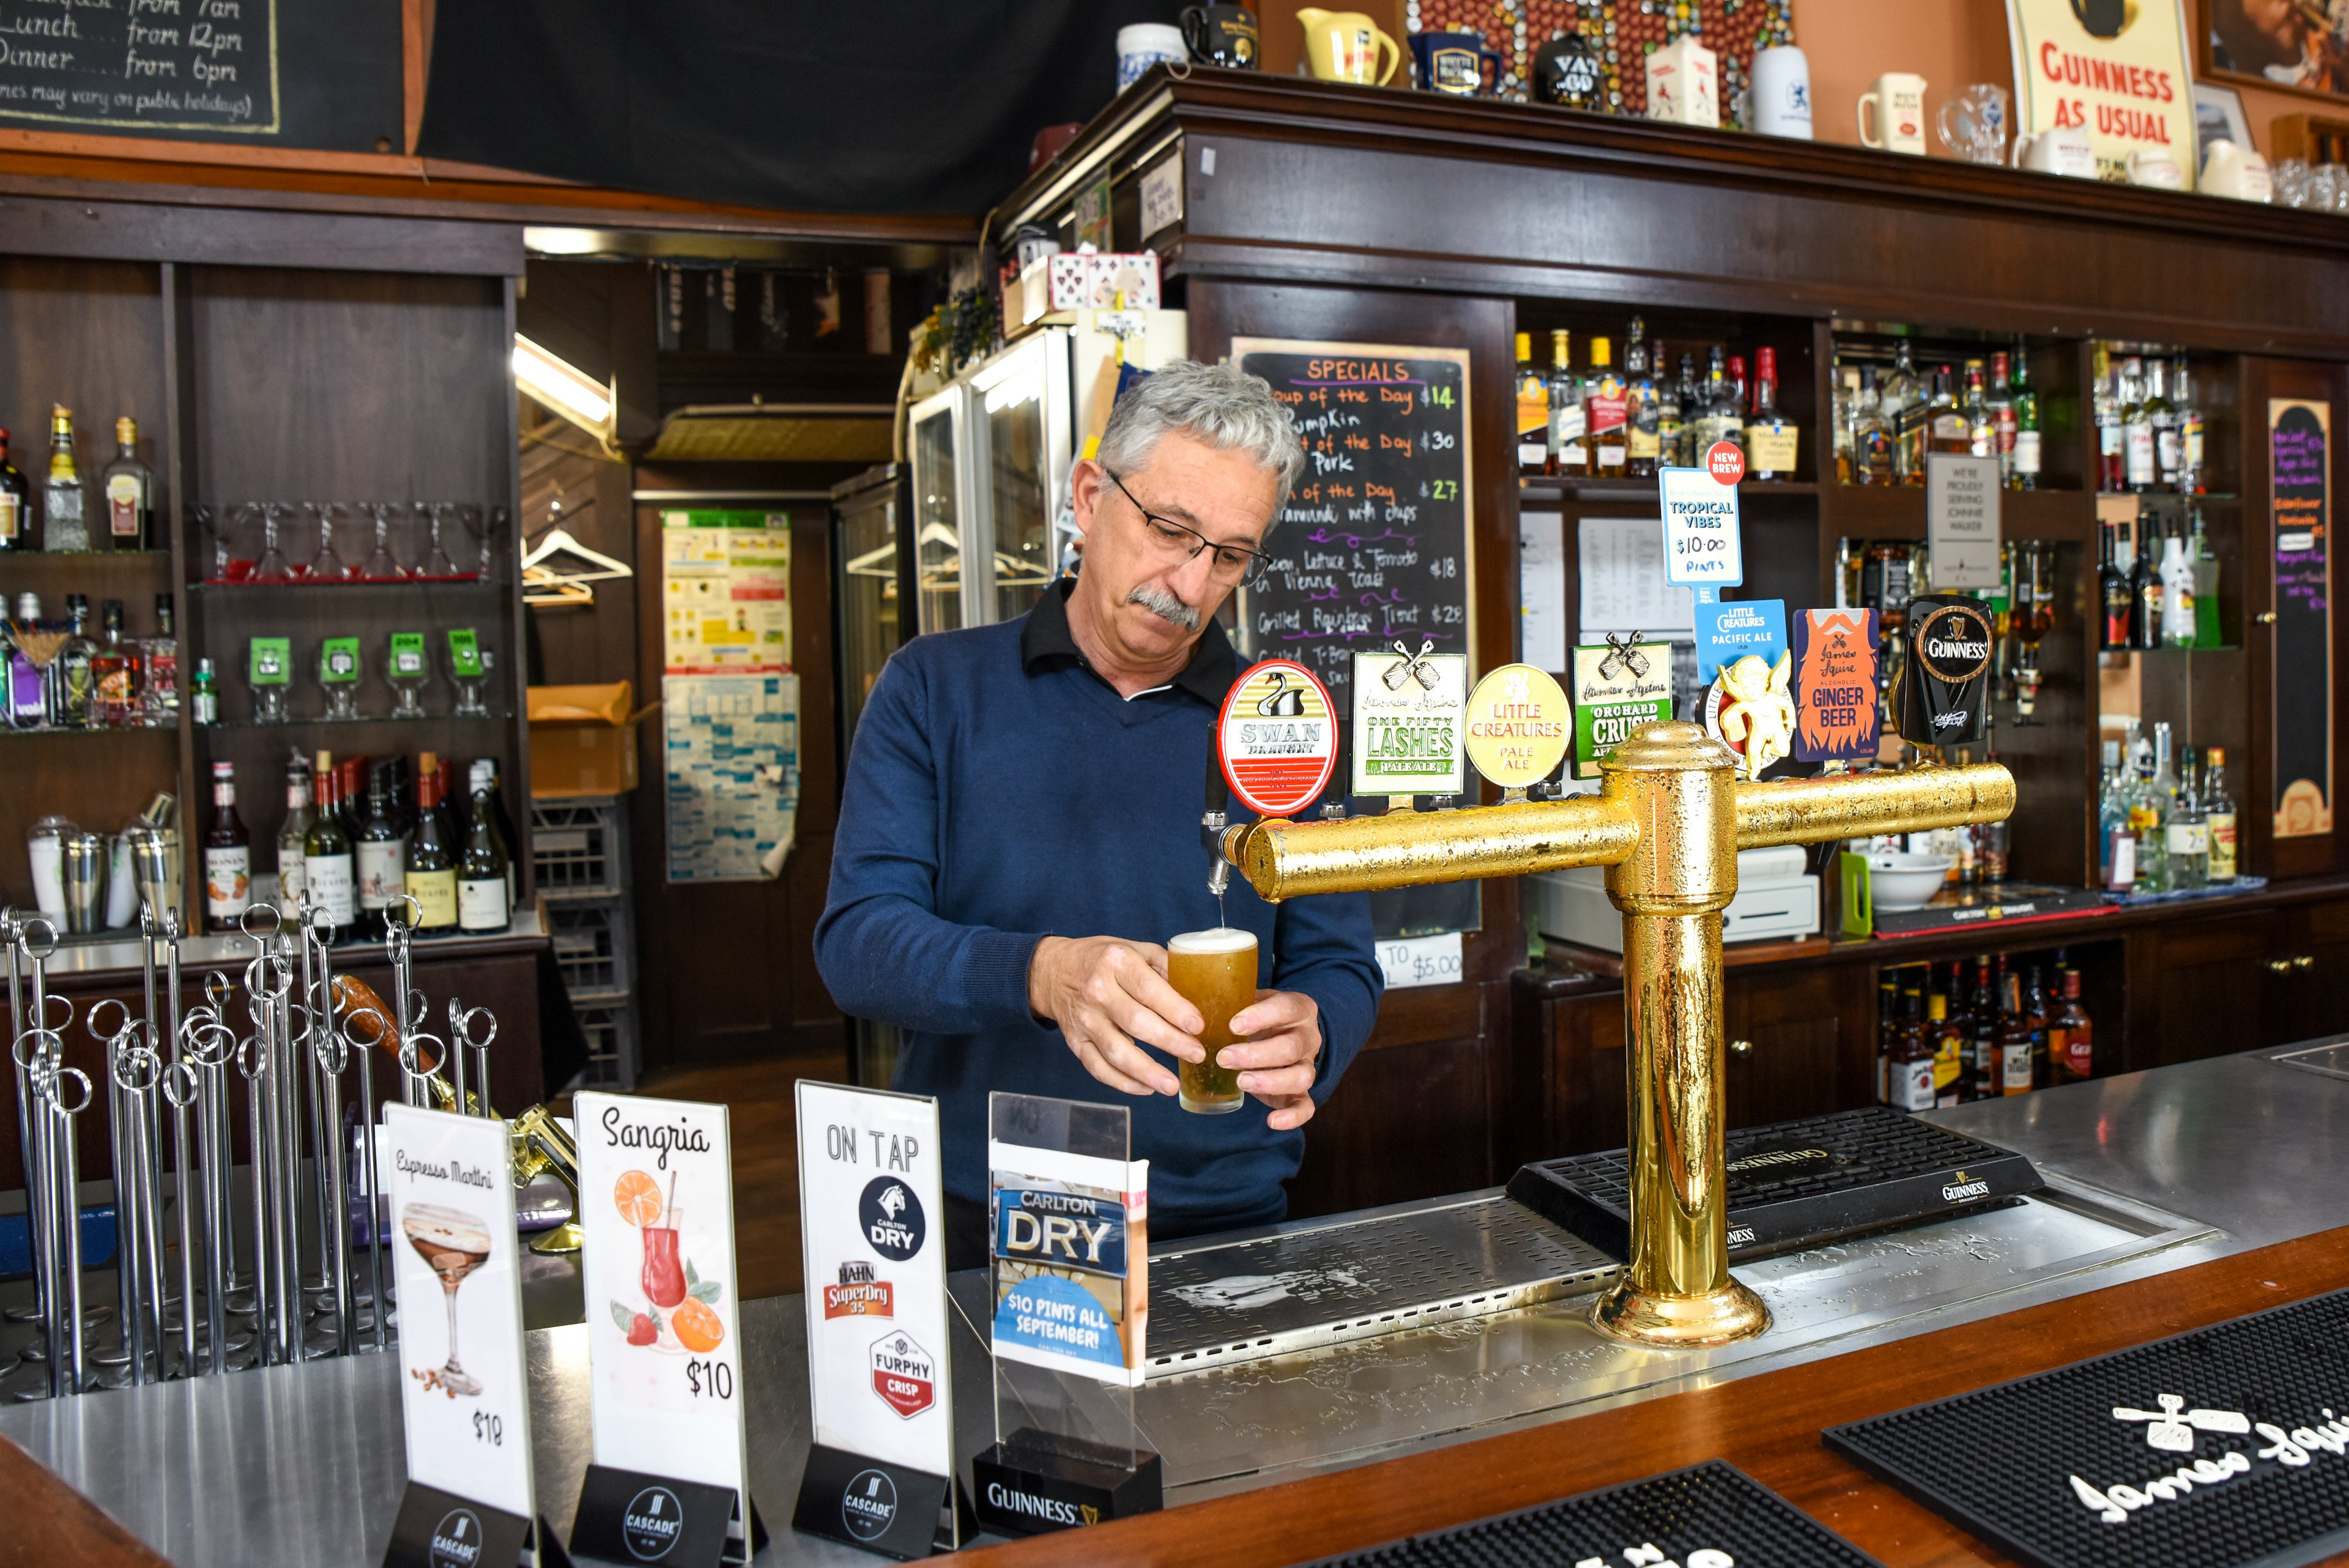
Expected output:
(1712, 1515)
(464, 1395)
(873, 1238)
(670, 1482)
(2224, 1447)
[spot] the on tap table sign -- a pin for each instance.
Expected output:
(671, 1479)
(872, 1240)
(464, 1395)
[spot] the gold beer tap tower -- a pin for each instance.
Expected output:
(1667, 824)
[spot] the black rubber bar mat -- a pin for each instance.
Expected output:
(1797, 1182)
(2224, 1447)
(1712, 1515)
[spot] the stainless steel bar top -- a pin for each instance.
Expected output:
(2152, 1172)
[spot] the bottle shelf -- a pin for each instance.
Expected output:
(2172, 652)
(318, 721)
(164, 731)
(1614, 489)
(302, 586)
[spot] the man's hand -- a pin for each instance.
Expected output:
(1109, 998)
(1277, 1060)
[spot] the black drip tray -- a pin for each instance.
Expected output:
(2224, 1448)
(1705, 1516)
(1792, 1183)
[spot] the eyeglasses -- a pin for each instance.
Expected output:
(1233, 564)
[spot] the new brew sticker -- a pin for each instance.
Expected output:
(1407, 728)
(1519, 726)
(1071, 1237)
(1617, 687)
(874, 1261)
(463, 1397)
(1278, 736)
(664, 1338)
(1835, 685)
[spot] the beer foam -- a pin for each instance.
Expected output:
(1222, 940)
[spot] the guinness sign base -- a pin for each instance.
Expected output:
(872, 1503)
(1026, 1490)
(435, 1529)
(628, 1516)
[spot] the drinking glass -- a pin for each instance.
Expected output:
(272, 567)
(2325, 188)
(436, 563)
(382, 566)
(1973, 123)
(2290, 176)
(206, 529)
(664, 1271)
(1215, 971)
(454, 1244)
(327, 566)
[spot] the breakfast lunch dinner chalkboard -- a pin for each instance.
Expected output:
(1373, 547)
(2299, 454)
(321, 74)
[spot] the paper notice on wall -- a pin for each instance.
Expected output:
(733, 775)
(726, 591)
(1623, 586)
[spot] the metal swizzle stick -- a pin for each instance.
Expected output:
(462, 1021)
(332, 1055)
(127, 1301)
(181, 1084)
(12, 932)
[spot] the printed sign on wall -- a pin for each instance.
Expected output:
(2299, 446)
(2118, 71)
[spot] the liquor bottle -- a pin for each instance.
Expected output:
(2150, 816)
(1949, 1063)
(1641, 441)
(1606, 408)
(113, 673)
(2143, 465)
(1769, 438)
(1533, 410)
(65, 522)
(2219, 816)
(294, 833)
(2145, 590)
(1887, 1030)
(482, 897)
(1569, 447)
(2190, 428)
(1685, 390)
(129, 486)
(1718, 417)
(1999, 402)
(16, 504)
(203, 695)
(2162, 415)
(1873, 457)
(1982, 1022)
(329, 870)
(2112, 594)
(1912, 1063)
(2025, 475)
(1948, 427)
(1847, 401)
(1739, 398)
(2115, 839)
(2071, 1033)
(2014, 1040)
(2187, 836)
(2111, 439)
(228, 855)
(158, 690)
(2178, 617)
(431, 857)
(382, 863)
(1904, 397)
(1671, 411)
(2036, 1013)
(69, 673)
(2205, 567)
(1981, 426)
(485, 775)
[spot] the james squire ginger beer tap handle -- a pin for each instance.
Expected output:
(1667, 824)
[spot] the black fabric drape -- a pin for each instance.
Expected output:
(907, 108)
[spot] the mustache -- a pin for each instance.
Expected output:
(1164, 606)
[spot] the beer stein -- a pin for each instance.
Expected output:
(1345, 46)
(1897, 101)
(1221, 36)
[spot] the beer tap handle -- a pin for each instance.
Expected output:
(1214, 819)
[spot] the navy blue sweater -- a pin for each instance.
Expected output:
(999, 792)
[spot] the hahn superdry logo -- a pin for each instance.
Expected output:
(904, 1375)
(859, 1294)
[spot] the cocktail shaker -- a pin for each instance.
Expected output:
(85, 882)
(45, 847)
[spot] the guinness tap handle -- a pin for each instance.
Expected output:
(1944, 691)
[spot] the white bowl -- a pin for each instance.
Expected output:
(1906, 881)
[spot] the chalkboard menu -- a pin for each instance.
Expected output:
(2299, 439)
(1373, 547)
(323, 74)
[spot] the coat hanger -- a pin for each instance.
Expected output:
(547, 585)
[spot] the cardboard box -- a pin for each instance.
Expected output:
(582, 740)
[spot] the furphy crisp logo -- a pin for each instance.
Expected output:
(891, 1218)
(457, 1540)
(652, 1524)
(859, 1294)
(1955, 643)
(904, 1374)
(869, 1506)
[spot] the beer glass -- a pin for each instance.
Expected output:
(1215, 971)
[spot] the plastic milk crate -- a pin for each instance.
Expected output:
(579, 849)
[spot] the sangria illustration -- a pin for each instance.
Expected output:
(678, 1315)
(455, 1244)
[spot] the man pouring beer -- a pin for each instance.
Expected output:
(1018, 843)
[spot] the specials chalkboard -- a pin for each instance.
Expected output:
(320, 74)
(2299, 442)
(1374, 546)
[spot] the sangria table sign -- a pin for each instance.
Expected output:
(872, 1227)
(670, 1481)
(464, 1395)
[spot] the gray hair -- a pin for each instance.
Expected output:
(1221, 406)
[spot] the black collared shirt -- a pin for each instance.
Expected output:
(1046, 643)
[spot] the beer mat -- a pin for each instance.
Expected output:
(1712, 1515)
(2227, 1447)
(2177, 895)
(1792, 1183)
(2002, 903)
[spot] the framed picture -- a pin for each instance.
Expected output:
(2219, 116)
(2298, 48)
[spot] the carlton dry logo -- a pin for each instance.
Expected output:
(1954, 641)
(891, 1218)
(457, 1540)
(869, 1505)
(651, 1526)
